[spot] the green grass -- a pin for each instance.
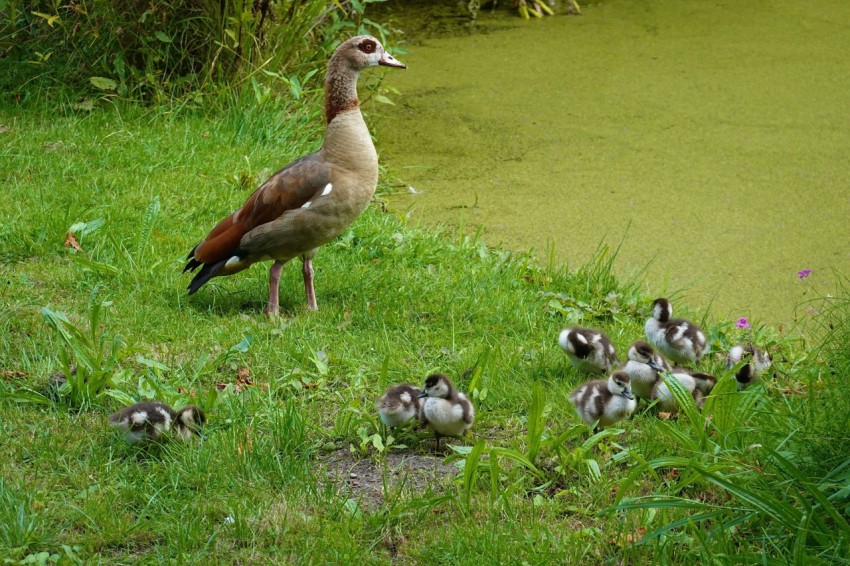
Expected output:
(757, 477)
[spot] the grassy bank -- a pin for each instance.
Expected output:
(293, 467)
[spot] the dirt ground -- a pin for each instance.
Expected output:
(364, 478)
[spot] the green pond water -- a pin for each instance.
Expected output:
(714, 135)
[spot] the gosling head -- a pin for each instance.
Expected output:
(661, 310)
(437, 385)
(573, 343)
(620, 384)
(643, 353)
(189, 420)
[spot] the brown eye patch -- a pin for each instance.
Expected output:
(367, 46)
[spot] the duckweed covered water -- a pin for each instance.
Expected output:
(715, 136)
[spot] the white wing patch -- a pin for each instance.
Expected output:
(307, 204)
(327, 190)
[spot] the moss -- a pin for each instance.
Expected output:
(712, 134)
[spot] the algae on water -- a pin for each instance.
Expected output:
(715, 133)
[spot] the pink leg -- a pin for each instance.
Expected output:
(274, 286)
(307, 270)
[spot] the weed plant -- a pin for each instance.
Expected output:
(166, 50)
(101, 208)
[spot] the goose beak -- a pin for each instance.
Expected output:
(388, 60)
(421, 395)
(654, 365)
(627, 393)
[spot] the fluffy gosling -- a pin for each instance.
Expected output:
(399, 404)
(149, 420)
(680, 340)
(445, 410)
(757, 363)
(588, 349)
(607, 401)
(643, 366)
(699, 385)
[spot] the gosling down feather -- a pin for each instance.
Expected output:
(680, 340)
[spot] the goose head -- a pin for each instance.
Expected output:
(365, 51)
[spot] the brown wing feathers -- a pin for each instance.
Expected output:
(288, 189)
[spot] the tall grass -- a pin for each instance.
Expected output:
(775, 467)
(163, 49)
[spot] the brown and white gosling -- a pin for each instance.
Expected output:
(699, 385)
(399, 404)
(607, 401)
(643, 364)
(588, 349)
(445, 410)
(678, 339)
(757, 363)
(149, 420)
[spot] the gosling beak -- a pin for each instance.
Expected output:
(654, 365)
(423, 394)
(388, 60)
(627, 393)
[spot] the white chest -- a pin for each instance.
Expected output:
(662, 392)
(616, 409)
(444, 417)
(642, 377)
(655, 333)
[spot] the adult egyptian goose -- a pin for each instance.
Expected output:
(680, 340)
(588, 349)
(310, 201)
(605, 400)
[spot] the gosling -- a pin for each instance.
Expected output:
(680, 340)
(643, 366)
(150, 420)
(757, 363)
(399, 404)
(606, 401)
(588, 349)
(699, 385)
(445, 410)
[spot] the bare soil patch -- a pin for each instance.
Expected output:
(364, 478)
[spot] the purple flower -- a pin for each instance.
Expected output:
(743, 323)
(804, 273)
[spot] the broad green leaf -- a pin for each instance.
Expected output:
(103, 83)
(50, 19)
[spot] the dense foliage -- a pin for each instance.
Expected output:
(165, 48)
